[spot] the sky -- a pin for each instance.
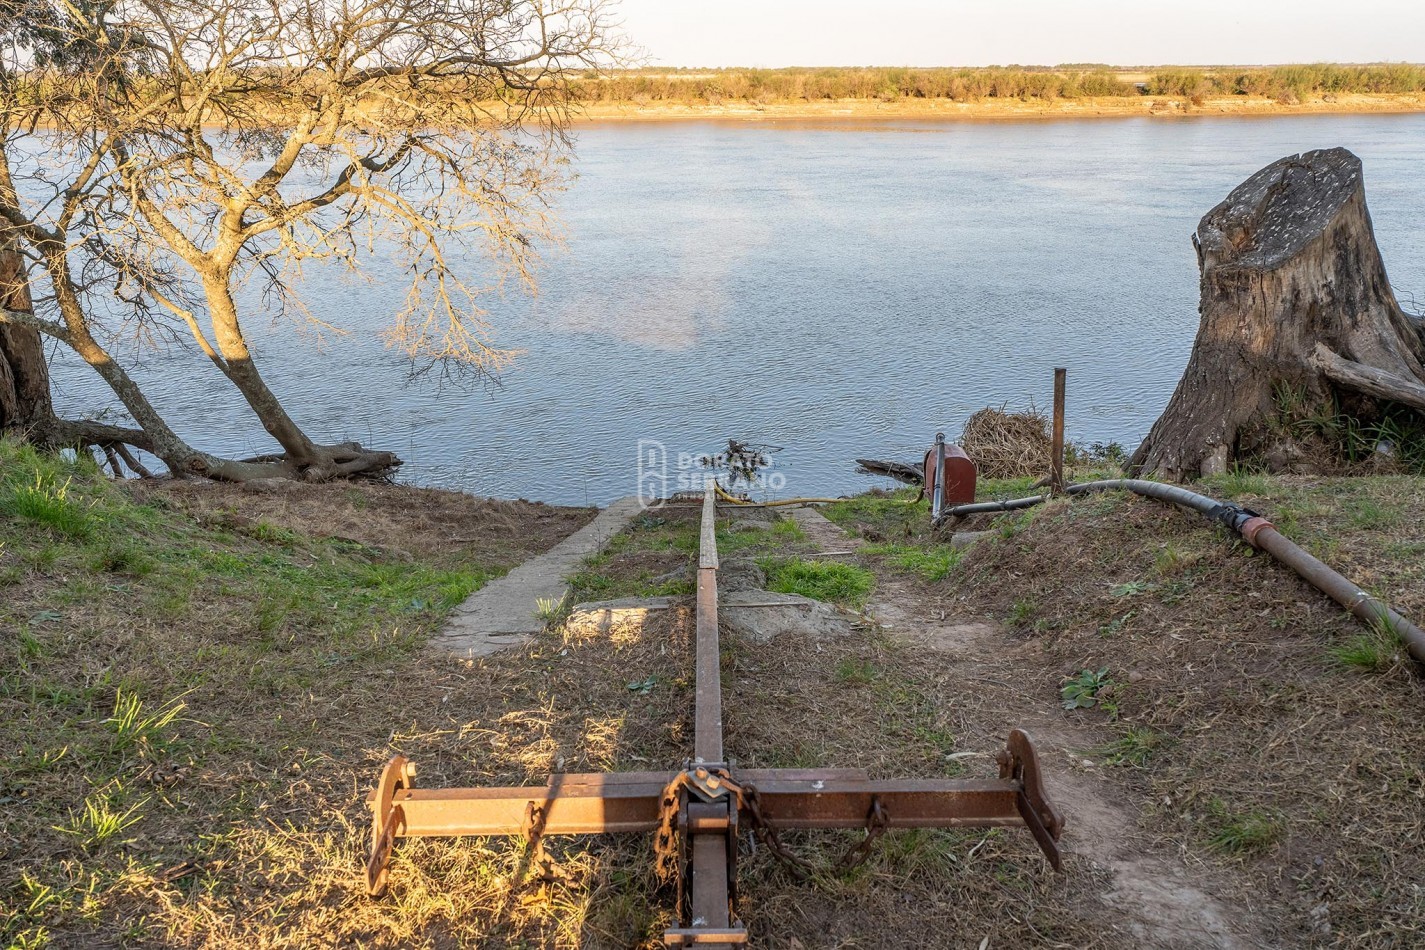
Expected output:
(770, 33)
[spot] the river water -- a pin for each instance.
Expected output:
(834, 289)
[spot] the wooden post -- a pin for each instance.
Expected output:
(1056, 477)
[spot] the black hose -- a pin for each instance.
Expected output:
(1256, 531)
(991, 507)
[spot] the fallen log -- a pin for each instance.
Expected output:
(900, 471)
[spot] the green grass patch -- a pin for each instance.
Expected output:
(1237, 483)
(1136, 748)
(856, 671)
(1003, 489)
(100, 820)
(1249, 832)
(775, 535)
(844, 584)
(47, 501)
(893, 514)
(1375, 651)
(934, 563)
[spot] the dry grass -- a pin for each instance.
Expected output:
(1007, 444)
(1251, 746)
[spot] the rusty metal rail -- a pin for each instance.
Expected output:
(697, 813)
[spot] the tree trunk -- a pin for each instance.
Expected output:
(24, 375)
(301, 457)
(1294, 299)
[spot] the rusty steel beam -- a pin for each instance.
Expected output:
(713, 863)
(707, 712)
(628, 802)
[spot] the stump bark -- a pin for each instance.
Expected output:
(1294, 298)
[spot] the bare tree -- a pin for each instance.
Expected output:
(162, 161)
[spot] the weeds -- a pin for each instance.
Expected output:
(49, 503)
(855, 671)
(1239, 482)
(773, 535)
(1396, 436)
(1367, 514)
(932, 563)
(1136, 747)
(1087, 689)
(1115, 626)
(1374, 652)
(1172, 559)
(99, 821)
(133, 729)
(1014, 523)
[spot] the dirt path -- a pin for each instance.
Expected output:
(1152, 897)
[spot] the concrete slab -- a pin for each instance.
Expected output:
(827, 534)
(506, 612)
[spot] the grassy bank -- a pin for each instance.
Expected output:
(200, 682)
(195, 681)
(1254, 726)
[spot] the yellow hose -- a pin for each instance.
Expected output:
(734, 500)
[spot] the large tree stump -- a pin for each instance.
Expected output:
(1293, 294)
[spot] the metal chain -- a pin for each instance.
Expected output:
(876, 824)
(537, 858)
(667, 843)
(669, 847)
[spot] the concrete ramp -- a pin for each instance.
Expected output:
(507, 611)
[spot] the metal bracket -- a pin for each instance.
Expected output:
(1019, 763)
(388, 821)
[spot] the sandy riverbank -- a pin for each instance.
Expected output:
(948, 109)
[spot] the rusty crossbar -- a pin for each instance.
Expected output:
(698, 812)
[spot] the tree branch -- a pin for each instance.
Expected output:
(1368, 379)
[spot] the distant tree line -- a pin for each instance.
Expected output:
(1286, 83)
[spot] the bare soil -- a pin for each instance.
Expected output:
(420, 522)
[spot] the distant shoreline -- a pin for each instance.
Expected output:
(995, 108)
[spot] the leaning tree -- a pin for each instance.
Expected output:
(1296, 309)
(163, 160)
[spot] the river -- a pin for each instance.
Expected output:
(833, 289)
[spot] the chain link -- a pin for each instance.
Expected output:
(876, 824)
(670, 848)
